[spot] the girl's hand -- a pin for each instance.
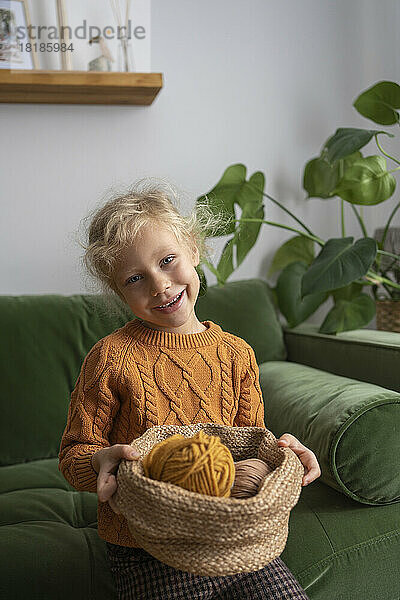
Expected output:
(307, 457)
(105, 462)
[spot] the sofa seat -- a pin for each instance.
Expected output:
(53, 522)
(332, 538)
(57, 526)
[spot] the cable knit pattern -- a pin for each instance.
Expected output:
(136, 378)
(226, 384)
(150, 407)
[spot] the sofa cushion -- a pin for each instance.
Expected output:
(48, 535)
(245, 308)
(46, 337)
(352, 427)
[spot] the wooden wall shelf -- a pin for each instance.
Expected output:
(79, 87)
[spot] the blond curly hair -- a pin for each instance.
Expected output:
(114, 225)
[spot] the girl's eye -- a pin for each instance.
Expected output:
(132, 279)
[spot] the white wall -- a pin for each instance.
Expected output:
(259, 82)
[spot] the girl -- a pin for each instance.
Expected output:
(164, 367)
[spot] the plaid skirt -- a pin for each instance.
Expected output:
(140, 576)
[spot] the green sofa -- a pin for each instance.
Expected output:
(338, 394)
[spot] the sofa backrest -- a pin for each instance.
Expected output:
(46, 337)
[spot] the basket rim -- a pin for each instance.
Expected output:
(170, 492)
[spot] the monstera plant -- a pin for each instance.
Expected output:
(311, 269)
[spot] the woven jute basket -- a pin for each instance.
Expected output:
(209, 535)
(388, 315)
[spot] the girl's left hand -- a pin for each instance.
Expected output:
(307, 457)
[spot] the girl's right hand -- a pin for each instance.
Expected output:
(106, 462)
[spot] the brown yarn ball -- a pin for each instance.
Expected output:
(250, 474)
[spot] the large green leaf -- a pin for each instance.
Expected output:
(366, 182)
(274, 297)
(379, 102)
(225, 266)
(250, 200)
(347, 315)
(293, 307)
(297, 248)
(223, 196)
(320, 178)
(338, 264)
(346, 141)
(248, 195)
(349, 161)
(348, 292)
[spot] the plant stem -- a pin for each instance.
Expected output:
(310, 237)
(385, 153)
(341, 168)
(282, 207)
(375, 277)
(396, 208)
(342, 216)
(363, 282)
(387, 289)
(385, 231)
(361, 222)
(385, 253)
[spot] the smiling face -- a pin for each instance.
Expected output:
(153, 271)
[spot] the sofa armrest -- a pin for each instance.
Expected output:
(364, 354)
(352, 427)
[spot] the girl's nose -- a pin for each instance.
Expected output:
(159, 287)
(154, 293)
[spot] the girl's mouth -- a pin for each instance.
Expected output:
(174, 306)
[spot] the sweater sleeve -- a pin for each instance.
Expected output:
(250, 411)
(93, 406)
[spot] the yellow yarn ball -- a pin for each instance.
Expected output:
(201, 463)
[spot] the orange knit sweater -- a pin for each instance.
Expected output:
(138, 377)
